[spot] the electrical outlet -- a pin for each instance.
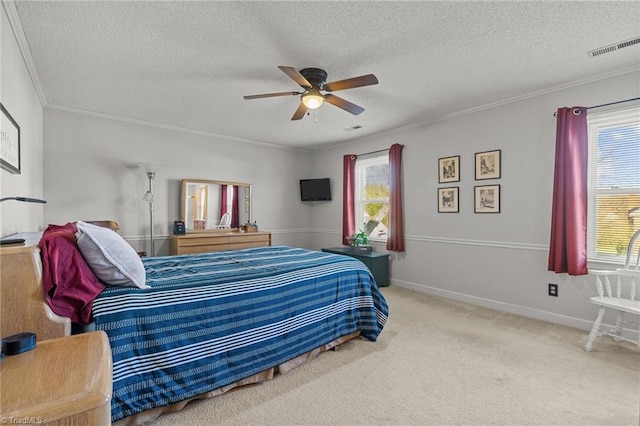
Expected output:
(553, 290)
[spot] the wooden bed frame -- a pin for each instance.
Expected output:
(23, 308)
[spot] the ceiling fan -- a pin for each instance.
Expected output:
(314, 81)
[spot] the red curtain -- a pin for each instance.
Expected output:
(348, 197)
(568, 246)
(395, 236)
(223, 199)
(235, 204)
(235, 209)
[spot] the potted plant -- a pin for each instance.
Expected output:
(359, 242)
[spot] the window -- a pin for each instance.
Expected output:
(614, 182)
(230, 191)
(372, 196)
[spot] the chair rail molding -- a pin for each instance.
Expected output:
(458, 241)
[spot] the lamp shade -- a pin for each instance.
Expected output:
(24, 199)
(312, 98)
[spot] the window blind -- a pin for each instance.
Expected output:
(614, 182)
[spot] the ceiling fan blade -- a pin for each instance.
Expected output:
(296, 76)
(350, 83)
(300, 112)
(271, 95)
(344, 104)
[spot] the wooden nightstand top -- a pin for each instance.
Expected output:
(61, 380)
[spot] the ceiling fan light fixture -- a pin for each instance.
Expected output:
(312, 98)
(313, 81)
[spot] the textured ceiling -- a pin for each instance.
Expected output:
(188, 64)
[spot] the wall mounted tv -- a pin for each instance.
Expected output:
(315, 189)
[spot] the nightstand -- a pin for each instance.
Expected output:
(63, 381)
(378, 263)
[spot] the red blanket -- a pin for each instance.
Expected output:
(70, 285)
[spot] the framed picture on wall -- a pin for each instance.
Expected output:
(449, 169)
(488, 164)
(487, 199)
(448, 199)
(9, 142)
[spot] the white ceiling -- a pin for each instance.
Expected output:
(188, 64)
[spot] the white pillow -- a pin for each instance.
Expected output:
(111, 258)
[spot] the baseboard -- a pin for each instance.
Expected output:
(500, 306)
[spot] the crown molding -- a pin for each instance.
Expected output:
(23, 46)
(172, 128)
(496, 104)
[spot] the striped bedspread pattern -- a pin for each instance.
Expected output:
(212, 319)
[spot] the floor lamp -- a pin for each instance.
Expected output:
(148, 197)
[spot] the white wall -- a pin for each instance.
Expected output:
(92, 173)
(496, 260)
(19, 97)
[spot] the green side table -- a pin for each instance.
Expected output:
(378, 263)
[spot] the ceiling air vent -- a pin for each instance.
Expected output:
(613, 47)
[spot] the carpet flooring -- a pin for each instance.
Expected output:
(443, 362)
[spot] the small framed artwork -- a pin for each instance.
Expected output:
(449, 169)
(448, 199)
(246, 205)
(247, 192)
(487, 199)
(9, 142)
(488, 165)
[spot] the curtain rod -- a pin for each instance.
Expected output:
(374, 152)
(613, 103)
(555, 114)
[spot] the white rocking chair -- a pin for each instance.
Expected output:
(622, 296)
(225, 222)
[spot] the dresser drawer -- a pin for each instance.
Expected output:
(207, 241)
(250, 238)
(211, 241)
(192, 249)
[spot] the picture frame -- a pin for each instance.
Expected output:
(449, 199)
(9, 142)
(449, 169)
(247, 192)
(486, 199)
(488, 164)
(246, 205)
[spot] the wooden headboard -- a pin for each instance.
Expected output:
(23, 307)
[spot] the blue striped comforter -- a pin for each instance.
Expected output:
(212, 319)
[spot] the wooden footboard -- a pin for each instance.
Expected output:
(22, 304)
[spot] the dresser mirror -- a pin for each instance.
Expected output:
(214, 206)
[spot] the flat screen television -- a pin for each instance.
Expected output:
(315, 189)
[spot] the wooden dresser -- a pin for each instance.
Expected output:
(22, 304)
(64, 381)
(201, 242)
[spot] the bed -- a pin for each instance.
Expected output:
(212, 321)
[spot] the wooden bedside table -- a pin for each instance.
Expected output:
(63, 381)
